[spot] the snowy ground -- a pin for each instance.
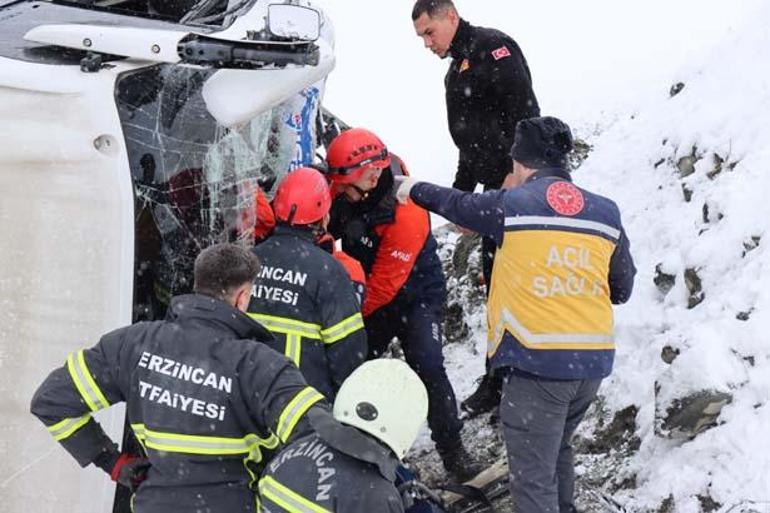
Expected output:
(690, 173)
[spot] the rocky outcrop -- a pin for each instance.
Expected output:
(686, 417)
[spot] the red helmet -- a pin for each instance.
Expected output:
(302, 197)
(353, 152)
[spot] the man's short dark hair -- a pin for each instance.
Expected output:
(432, 7)
(222, 268)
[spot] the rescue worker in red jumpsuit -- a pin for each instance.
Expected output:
(405, 285)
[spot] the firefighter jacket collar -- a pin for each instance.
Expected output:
(349, 440)
(214, 311)
(303, 233)
(555, 172)
(463, 41)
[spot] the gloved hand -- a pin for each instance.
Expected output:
(130, 471)
(402, 185)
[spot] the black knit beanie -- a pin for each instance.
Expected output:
(542, 143)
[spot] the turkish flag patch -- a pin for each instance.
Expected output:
(565, 198)
(501, 53)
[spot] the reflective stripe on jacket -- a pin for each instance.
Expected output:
(207, 402)
(304, 296)
(563, 260)
(313, 476)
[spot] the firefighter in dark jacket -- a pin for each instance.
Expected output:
(488, 91)
(405, 286)
(206, 398)
(303, 294)
(351, 468)
(563, 260)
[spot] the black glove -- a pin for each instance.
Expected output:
(128, 470)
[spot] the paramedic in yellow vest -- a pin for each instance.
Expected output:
(562, 261)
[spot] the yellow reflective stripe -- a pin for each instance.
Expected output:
(295, 410)
(85, 383)
(197, 444)
(294, 347)
(102, 401)
(342, 329)
(65, 428)
(286, 498)
(286, 325)
(568, 341)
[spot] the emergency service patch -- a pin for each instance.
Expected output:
(565, 198)
(501, 53)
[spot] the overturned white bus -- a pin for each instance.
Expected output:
(131, 136)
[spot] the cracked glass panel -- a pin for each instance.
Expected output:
(195, 181)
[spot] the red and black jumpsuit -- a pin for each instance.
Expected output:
(405, 289)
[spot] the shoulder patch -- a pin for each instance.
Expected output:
(565, 198)
(465, 65)
(501, 53)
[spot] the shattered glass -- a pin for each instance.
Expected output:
(196, 181)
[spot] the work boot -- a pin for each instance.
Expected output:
(485, 398)
(460, 465)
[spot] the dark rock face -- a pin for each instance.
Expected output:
(461, 258)
(694, 287)
(455, 327)
(618, 435)
(580, 152)
(686, 164)
(708, 504)
(664, 282)
(751, 244)
(669, 354)
(465, 292)
(676, 89)
(667, 506)
(689, 416)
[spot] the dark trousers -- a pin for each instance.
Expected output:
(417, 324)
(539, 417)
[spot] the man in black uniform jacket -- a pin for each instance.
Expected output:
(205, 396)
(488, 91)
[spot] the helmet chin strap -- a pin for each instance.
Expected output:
(364, 194)
(292, 212)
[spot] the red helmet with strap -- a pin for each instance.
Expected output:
(302, 197)
(353, 152)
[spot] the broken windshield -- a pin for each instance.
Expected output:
(220, 13)
(195, 180)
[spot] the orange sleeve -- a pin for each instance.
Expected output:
(400, 246)
(352, 266)
(265, 216)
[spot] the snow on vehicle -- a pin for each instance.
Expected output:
(129, 140)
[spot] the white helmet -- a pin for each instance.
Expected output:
(386, 399)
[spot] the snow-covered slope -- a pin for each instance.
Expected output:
(691, 173)
(692, 176)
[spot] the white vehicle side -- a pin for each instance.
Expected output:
(67, 235)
